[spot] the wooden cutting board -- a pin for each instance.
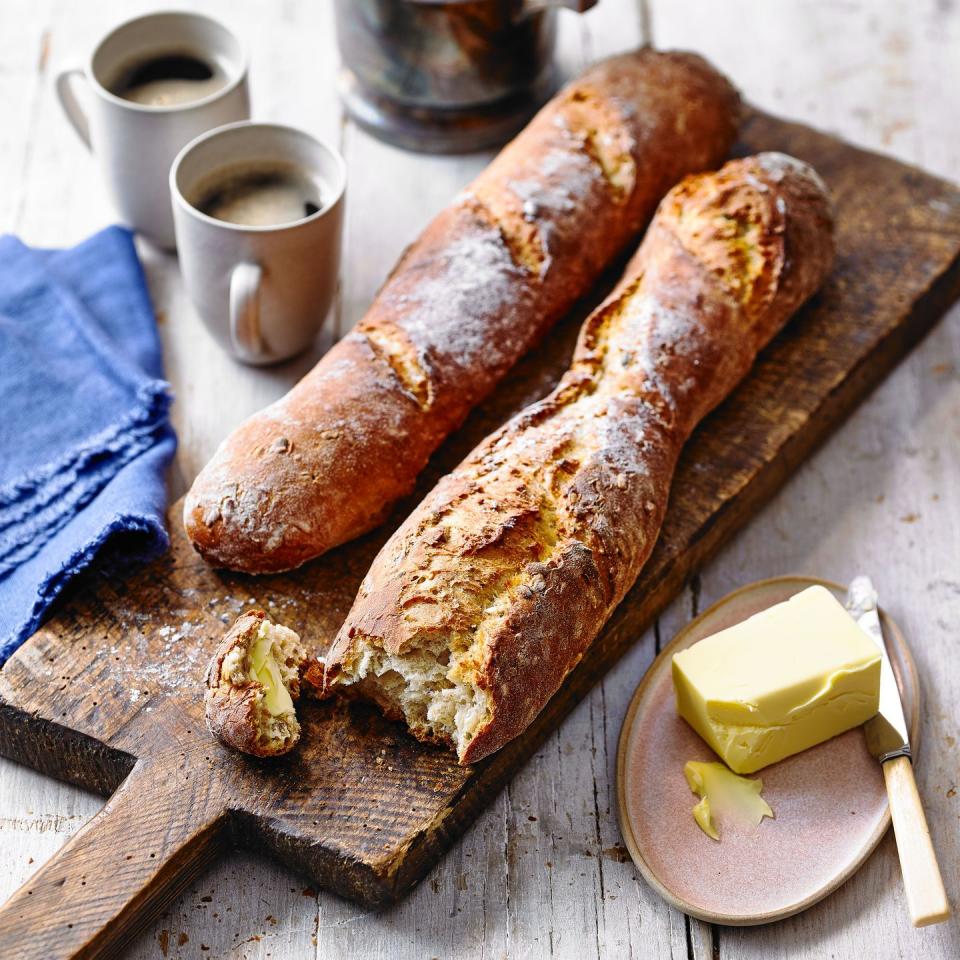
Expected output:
(108, 694)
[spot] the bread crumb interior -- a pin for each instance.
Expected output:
(427, 687)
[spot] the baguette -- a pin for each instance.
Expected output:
(495, 586)
(485, 280)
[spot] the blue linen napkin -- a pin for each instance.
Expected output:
(85, 439)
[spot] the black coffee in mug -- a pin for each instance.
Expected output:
(259, 194)
(169, 79)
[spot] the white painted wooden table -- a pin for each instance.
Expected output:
(543, 872)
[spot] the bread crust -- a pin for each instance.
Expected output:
(481, 285)
(518, 557)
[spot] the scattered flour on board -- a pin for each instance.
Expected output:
(178, 660)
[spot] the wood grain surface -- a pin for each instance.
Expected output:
(109, 689)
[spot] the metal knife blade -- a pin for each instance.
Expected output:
(886, 733)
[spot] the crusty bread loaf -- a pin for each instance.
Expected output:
(484, 281)
(493, 589)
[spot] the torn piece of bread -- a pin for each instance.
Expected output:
(253, 682)
(493, 589)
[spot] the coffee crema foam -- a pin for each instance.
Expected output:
(259, 195)
(169, 80)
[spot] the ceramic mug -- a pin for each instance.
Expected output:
(135, 143)
(262, 291)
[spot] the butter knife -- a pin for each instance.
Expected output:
(889, 741)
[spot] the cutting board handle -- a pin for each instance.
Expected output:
(120, 870)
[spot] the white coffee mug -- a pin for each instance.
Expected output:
(135, 143)
(262, 291)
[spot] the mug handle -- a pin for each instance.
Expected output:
(245, 311)
(71, 105)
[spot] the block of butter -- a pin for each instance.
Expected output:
(784, 680)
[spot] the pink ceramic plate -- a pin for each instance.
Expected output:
(830, 803)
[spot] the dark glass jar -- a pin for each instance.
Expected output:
(449, 75)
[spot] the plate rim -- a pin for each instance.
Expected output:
(626, 831)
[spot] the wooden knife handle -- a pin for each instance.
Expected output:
(921, 873)
(117, 872)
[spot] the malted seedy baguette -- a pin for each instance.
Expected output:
(484, 281)
(493, 589)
